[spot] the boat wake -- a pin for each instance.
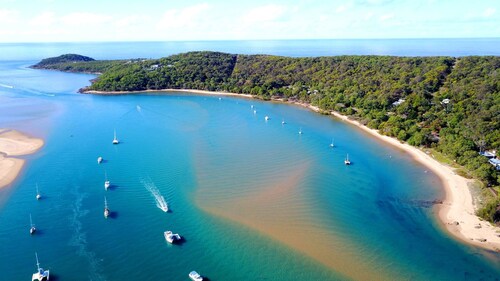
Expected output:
(161, 203)
(6, 86)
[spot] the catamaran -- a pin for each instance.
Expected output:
(32, 226)
(171, 237)
(40, 275)
(347, 161)
(38, 196)
(106, 209)
(115, 140)
(195, 276)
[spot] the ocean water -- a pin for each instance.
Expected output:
(254, 200)
(293, 48)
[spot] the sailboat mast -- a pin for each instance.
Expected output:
(37, 263)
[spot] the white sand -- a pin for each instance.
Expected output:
(200, 92)
(14, 143)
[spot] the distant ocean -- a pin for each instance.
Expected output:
(292, 48)
(253, 199)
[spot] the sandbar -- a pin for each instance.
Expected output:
(14, 143)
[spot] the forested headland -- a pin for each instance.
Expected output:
(448, 105)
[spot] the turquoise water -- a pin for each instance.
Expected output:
(254, 200)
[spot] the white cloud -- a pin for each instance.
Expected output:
(341, 8)
(386, 17)
(267, 13)
(130, 21)
(489, 12)
(85, 19)
(8, 16)
(373, 2)
(43, 19)
(186, 17)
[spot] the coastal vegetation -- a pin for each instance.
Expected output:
(450, 105)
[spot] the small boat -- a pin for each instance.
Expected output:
(283, 122)
(251, 106)
(266, 118)
(171, 237)
(161, 203)
(40, 275)
(38, 196)
(106, 209)
(195, 276)
(300, 131)
(331, 144)
(99, 160)
(255, 112)
(107, 183)
(32, 227)
(347, 161)
(115, 140)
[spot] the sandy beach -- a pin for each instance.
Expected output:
(14, 143)
(199, 92)
(457, 212)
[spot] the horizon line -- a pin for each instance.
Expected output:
(243, 40)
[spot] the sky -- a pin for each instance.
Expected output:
(187, 20)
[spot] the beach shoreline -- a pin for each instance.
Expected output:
(456, 213)
(14, 143)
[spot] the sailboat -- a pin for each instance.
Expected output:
(347, 161)
(107, 183)
(32, 226)
(38, 196)
(115, 140)
(40, 275)
(331, 144)
(106, 209)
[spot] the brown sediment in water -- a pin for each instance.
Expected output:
(279, 211)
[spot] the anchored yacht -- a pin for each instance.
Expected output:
(41, 274)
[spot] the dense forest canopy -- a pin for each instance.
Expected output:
(449, 104)
(67, 58)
